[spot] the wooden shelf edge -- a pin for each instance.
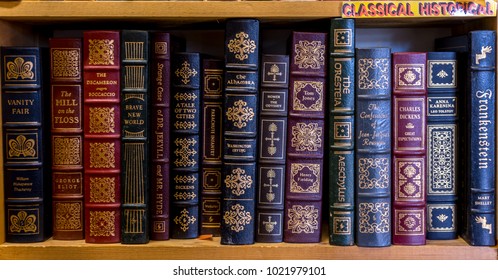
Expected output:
(212, 250)
(60, 10)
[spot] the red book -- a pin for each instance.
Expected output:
(67, 137)
(102, 134)
(409, 148)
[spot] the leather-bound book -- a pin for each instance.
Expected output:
(272, 147)
(102, 136)
(240, 122)
(134, 137)
(341, 131)
(185, 144)
(409, 161)
(212, 138)
(442, 144)
(66, 77)
(480, 212)
(162, 46)
(26, 152)
(373, 147)
(305, 137)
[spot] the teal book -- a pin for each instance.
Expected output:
(373, 147)
(341, 122)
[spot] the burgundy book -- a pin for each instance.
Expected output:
(409, 148)
(102, 134)
(160, 136)
(305, 138)
(67, 137)
(212, 130)
(163, 44)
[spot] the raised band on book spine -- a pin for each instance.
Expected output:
(409, 148)
(102, 136)
(341, 131)
(305, 138)
(272, 147)
(67, 137)
(373, 147)
(442, 144)
(240, 122)
(26, 154)
(186, 144)
(135, 137)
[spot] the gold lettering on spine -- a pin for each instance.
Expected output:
(305, 174)
(485, 127)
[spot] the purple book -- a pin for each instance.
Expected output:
(305, 138)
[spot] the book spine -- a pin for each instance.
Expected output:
(373, 147)
(341, 126)
(409, 148)
(67, 137)
(240, 122)
(185, 122)
(212, 137)
(26, 186)
(134, 137)
(160, 66)
(442, 145)
(272, 142)
(481, 189)
(102, 136)
(305, 138)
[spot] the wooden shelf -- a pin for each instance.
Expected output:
(211, 249)
(50, 11)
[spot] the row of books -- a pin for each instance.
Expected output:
(151, 142)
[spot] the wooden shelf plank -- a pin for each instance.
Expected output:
(211, 249)
(164, 10)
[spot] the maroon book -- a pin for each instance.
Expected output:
(305, 138)
(102, 134)
(409, 148)
(160, 140)
(67, 137)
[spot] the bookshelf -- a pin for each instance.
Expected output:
(29, 22)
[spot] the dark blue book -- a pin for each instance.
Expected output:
(26, 159)
(240, 122)
(341, 102)
(186, 144)
(134, 137)
(477, 190)
(442, 145)
(480, 227)
(373, 147)
(272, 147)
